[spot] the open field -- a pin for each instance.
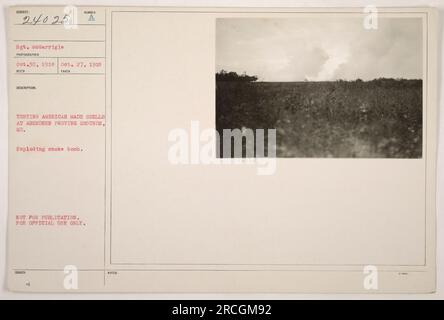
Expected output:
(344, 119)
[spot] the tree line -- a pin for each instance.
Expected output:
(233, 76)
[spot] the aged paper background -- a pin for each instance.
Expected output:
(127, 247)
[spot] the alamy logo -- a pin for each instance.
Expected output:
(70, 20)
(371, 18)
(371, 278)
(71, 278)
(239, 147)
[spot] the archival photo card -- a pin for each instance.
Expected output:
(222, 150)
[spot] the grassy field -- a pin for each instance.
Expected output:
(374, 119)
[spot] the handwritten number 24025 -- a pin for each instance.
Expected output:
(45, 19)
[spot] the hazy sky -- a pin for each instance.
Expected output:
(294, 49)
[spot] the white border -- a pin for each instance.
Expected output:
(4, 294)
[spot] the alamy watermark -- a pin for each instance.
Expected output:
(371, 18)
(70, 20)
(71, 278)
(239, 147)
(370, 278)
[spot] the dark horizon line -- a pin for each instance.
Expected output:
(338, 80)
(257, 78)
(343, 80)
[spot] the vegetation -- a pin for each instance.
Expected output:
(233, 76)
(369, 119)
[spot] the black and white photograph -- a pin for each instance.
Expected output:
(330, 86)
